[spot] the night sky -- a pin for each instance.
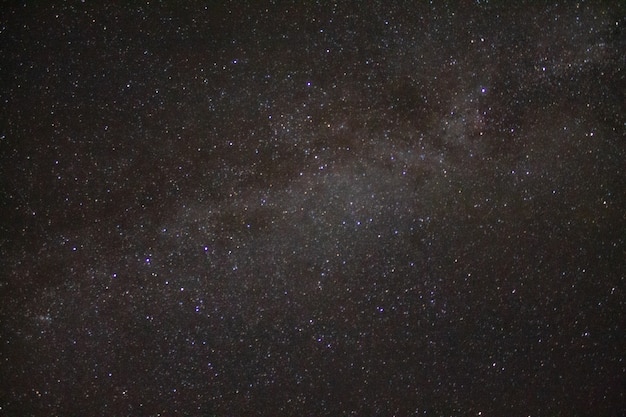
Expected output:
(299, 208)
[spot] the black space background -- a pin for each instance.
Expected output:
(307, 208)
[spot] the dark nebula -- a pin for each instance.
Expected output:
(298, 208)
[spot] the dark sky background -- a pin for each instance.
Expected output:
(298, 208)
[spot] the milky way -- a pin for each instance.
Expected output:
(313, 208)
